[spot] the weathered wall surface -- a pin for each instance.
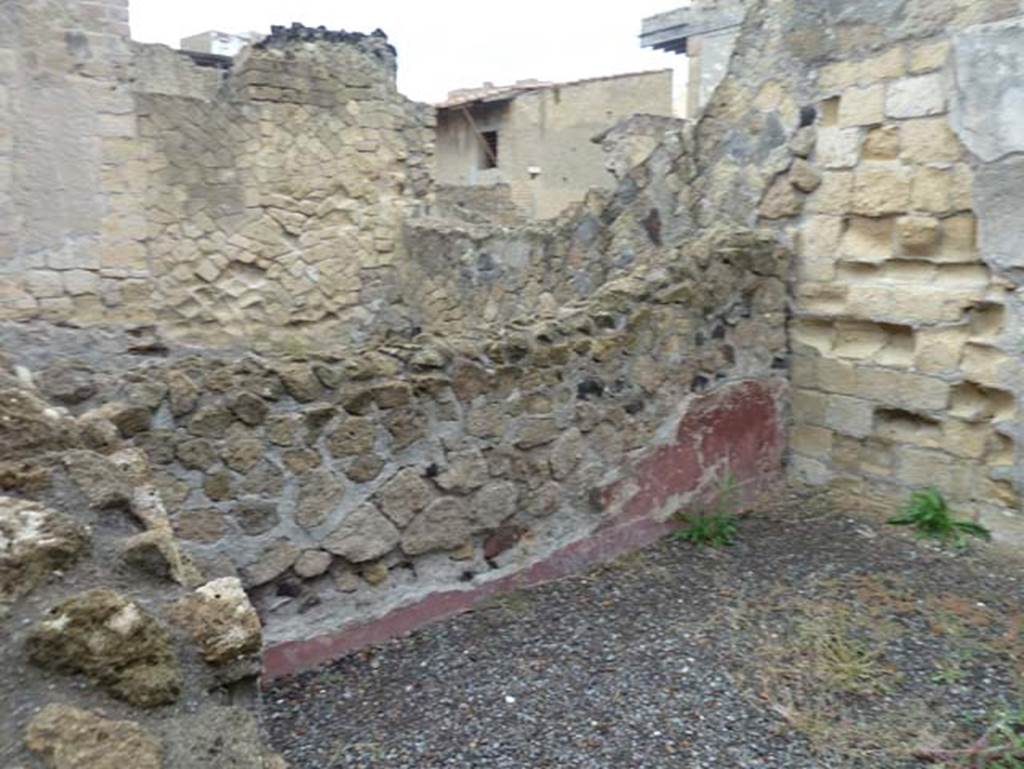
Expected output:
(116, 647)
(489, 402)
(896, 192)
(341, 488)
(62, 100)
(220, 206)
(550, 129)
(527, 398)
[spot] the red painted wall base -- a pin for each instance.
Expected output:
(736, 429)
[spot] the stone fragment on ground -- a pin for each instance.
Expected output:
(66, 737)
(221, 620)
(34, 542)
(217, 738)
(112, 641)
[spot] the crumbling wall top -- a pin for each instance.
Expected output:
(376, 43)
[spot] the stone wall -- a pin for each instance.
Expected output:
(117, 646)
(907, 348)
(342, 487)
(232, 206)
(881, 151)
(426, 405)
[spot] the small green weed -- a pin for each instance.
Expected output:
(712, 530)
(716, 528)
(929, 514)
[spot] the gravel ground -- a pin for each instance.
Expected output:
(816, 641)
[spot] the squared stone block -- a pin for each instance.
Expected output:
(929, 140)
(850, 416)
(810, 440)
(78, 282)
(878, 191)
(959, 239)
(916, 97)
(929, 56)
(838, 147)
(862, 106)
(834, 194)
(917, 235)
(931, 190)
(882, 143)
(901, 389)
(939, 350)
(867, 240)
(809, 407)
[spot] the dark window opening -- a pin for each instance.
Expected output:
(489, 145)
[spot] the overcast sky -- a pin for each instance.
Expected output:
(444, 44)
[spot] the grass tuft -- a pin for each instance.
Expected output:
(930, 516)
(718, 527)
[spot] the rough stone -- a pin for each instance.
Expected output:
(365, 468)
(494, 504)
(68, 383)
(406, 426)
(566, 453)
(375, 573)
(221, 620)
(355, 435)
(256, 516)
(275, 559)
(363, 535)
(249, 408)
(403, 496)
(781, 200)
(210, 422)
(466, 470)
(320, 494)
(182, 392)
(300, 382)
(804, 176)
(205, 525)
(986, 112)
(536, 431)
(217, 486)
(242, 453)
(312, 563)
(502, 540)
(301, 461)
(196, 454)
(112, 641)
(69, 738)
(28, 426)
(221, 737)
(35, 541)
(389, 395)
(100, 480)
(265, 479)
(443, 525)
(129, 419)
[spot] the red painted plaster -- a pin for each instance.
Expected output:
(737, 429)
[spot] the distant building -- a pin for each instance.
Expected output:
(218, 43)
(537, 137)
(706, 32)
